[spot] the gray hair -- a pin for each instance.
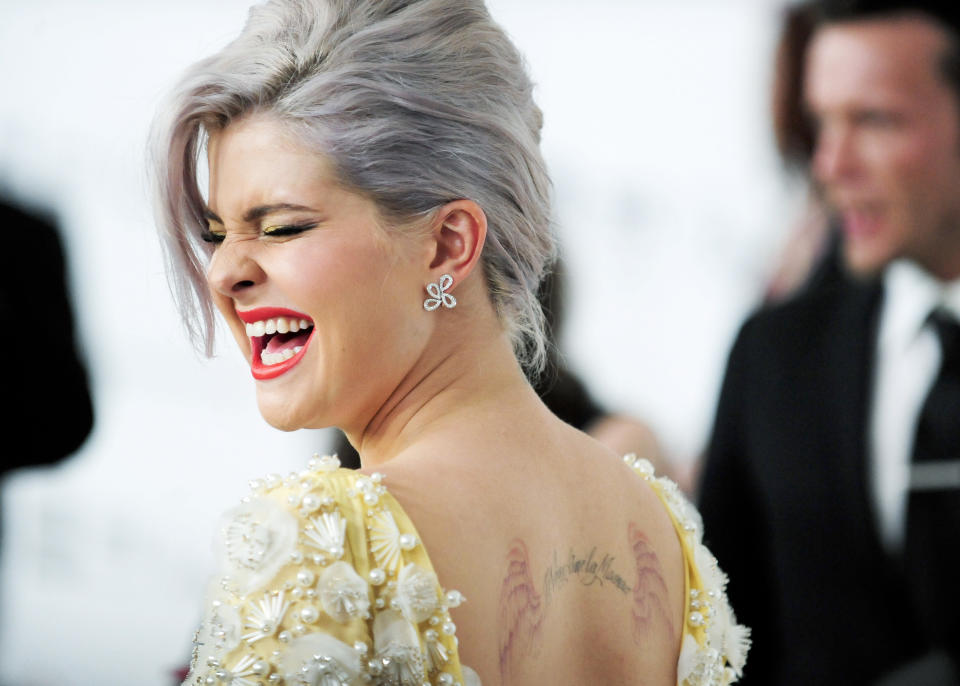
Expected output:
(415, 102)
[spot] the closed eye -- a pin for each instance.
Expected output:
(287, 229)
(208, 236)
(217, 237)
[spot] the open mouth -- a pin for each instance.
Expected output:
(861, 222)
(278, 340)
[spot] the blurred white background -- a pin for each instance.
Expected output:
(672, 209)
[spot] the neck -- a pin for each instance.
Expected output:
(946, 273)
(445, 388)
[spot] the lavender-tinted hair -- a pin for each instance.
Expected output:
(415, 102)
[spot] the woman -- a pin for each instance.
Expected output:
(377, 223)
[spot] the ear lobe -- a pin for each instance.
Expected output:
(459, 232)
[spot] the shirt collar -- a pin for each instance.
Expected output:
(910, 294)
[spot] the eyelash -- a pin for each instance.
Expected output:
(287, 229)
(281, 231)
(208, 236)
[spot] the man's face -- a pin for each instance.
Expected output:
(888, 145)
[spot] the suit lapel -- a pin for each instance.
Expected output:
(854, 331)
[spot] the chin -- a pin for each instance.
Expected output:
(286, 417)
(280, 417)
(865, 262)
(281, 423)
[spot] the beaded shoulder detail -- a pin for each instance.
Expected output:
(714, 647)
(323, 581)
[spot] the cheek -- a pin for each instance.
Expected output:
(928, 178)
(223, 304)
(356, 292)
(225, 307)
(925, 156)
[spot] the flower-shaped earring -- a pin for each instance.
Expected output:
(438, 294)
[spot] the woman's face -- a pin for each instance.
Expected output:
(324, 304)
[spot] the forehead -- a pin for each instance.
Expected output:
(875, 60)
(256, 160)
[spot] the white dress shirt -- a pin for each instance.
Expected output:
(907, 362)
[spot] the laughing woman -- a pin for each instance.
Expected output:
(375, 227)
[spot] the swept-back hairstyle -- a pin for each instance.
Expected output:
(415, 102)
(793, 131)
(944, 14)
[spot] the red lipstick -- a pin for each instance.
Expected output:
(262, 371)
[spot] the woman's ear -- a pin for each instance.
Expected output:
(457, 235)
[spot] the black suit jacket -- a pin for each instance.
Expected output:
(785, 496)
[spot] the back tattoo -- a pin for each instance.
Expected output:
(523, 609)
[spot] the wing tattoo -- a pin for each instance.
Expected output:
(521, 610)
(650, 598)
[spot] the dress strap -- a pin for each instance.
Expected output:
(714, 647)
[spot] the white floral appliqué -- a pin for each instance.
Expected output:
(343, 593)
(320, 660)
(397, 650)
(219, 633)
(416, 593)
(257, 540)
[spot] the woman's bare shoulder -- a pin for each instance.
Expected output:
(548, 547)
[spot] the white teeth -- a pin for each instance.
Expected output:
(276, 358)
(277, 325)
(255, 329)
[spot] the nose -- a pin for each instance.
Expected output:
(835, 154)
(233, 268)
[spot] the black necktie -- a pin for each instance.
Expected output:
(932, 550)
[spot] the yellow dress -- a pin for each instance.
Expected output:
(324, 582)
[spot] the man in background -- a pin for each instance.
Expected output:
(831, 489)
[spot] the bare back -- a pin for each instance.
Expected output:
(570, 563)
(575, 566)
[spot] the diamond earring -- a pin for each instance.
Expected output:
(438, 294)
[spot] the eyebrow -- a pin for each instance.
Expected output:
(259, 212)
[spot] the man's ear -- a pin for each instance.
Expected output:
(457, 235)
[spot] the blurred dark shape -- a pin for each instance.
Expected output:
(49, 413)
